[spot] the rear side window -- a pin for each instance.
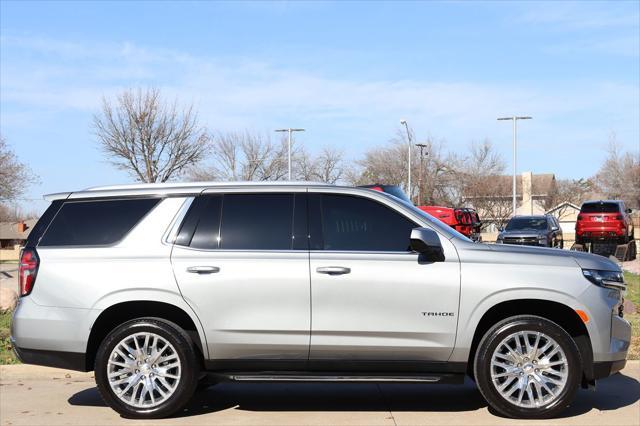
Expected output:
(351, 223)
(266, 221)
(95, 223)
(257, 222)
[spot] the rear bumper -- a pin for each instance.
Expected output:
(67, 360)
(599, 232)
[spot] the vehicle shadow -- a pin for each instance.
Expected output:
(615, 392)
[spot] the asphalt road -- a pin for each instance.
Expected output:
(44, 396)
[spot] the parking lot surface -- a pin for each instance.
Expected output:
(31, 395)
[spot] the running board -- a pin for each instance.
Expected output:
(351, 378)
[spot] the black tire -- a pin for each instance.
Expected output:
(190, 367)
(482, 366)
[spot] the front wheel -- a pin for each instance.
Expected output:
(147, 368)
(528, 367)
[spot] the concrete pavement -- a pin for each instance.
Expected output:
(32, 395)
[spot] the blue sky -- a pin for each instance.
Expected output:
(347, 72)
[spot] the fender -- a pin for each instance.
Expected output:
(469, 321)
(145, 294)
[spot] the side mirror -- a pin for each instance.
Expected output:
(554, 228)
(629, 211)
(426, 242)
(501, 229)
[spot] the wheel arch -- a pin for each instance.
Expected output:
(122, 312)
(563, 315)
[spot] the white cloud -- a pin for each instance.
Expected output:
(238, 93)
(582, 15)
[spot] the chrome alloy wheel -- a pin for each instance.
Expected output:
(529, 369)
(144, 370)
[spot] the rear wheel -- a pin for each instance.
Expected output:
(528, 367)
(147, 368)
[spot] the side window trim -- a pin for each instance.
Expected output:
(198, 205)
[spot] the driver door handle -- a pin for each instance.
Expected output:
(333, 270)
(203, 269)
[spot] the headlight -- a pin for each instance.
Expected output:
(607, 279)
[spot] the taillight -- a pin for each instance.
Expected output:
(27, 271)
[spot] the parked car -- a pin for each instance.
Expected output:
(156, 287)
(604, 221)
(543, 230)
(394, 190)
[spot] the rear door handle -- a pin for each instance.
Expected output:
(203, 269)
(333, 270)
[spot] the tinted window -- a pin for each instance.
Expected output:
(600, 208)
(201, 227)
(43, 222)
(354, 223)
(257, 222)
(94, 223)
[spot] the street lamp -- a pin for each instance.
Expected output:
(406, 126)
(515, 145)
(422, 146)
(289, 131)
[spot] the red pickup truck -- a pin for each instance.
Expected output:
(464, 220)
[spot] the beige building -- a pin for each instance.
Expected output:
(13, 235)
(567, 215)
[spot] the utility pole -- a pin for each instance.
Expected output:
(289, 131)
(420, 177)
(406, 126)
(515, 147)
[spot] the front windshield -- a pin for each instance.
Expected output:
(527, 223)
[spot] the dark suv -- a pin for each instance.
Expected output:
(543, 230)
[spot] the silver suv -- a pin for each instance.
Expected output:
(160, 288)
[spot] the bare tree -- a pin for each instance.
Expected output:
(619, 175)
(150, 139)
(14, 175)
(255, 157)
(573, 191)
(327, 167)
(388, 165)
(244, 156)
(482, 185)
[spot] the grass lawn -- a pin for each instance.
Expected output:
(6, 353)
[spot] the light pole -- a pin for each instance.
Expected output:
(420, 179)
(515, 145)
(406, 126)
(289, 131)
